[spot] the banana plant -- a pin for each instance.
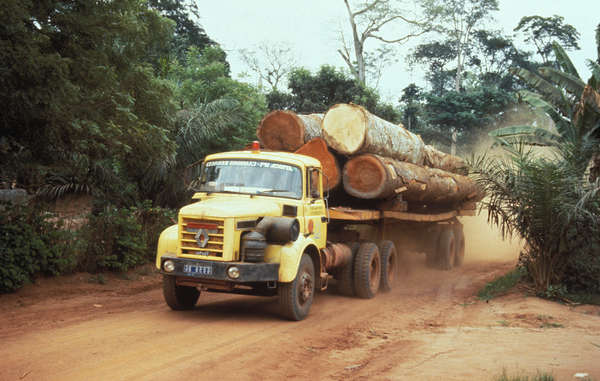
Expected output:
(572, 104)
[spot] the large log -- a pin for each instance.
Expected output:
(371, 176)
(350, 129)
(283, 130)
(444, 161)
(318, 149)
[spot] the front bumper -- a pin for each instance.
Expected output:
(249, 272)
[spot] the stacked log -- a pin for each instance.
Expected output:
(317, 148)
(350, 129)
(444, 161)
(383, 163)
(283, 130)
(370, 176)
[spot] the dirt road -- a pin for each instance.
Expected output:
(429, 328)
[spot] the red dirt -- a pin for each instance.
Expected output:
(431, 327)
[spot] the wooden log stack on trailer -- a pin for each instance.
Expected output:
(378, 162)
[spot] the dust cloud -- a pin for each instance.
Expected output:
(483, 241)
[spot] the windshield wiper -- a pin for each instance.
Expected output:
(266, 191)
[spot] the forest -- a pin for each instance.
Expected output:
(119, 101)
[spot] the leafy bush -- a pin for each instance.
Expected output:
(550, 204)
(118, 239)
(30, 243)
(113, 240)
(502, 284)
(539, 376)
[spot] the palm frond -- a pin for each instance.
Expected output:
(564, 61)
(540, 84)
(572, 84)
(594, 80)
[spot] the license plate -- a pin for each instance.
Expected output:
(197, 269)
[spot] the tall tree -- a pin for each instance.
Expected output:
(187, 30)
(271, 62)
(368, 19)
(543, 31)
(75, 86)
(319, 91)
(457, 22)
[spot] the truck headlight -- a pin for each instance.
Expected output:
(169, 266)
(233, 272)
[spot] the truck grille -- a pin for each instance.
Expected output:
(202, 237)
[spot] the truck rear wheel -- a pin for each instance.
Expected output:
(389, 265)
(446, 248)
(179, 298)
(345, 279)
(367, 270)
(459, 237)
(430, 245)
(296, 297)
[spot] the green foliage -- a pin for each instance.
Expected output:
(78, 86)
(118, 239)
(545, 201)
(502, 284)
(187, 32)
(543, 31)
(217, 114)
(316, 93)
(539, 376)
(30, 244)
(470, 112)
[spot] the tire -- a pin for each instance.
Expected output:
(446, 248)
(367, 270)
(389, 265)
(296, 297)
(459, 237)
(179, 298)
(345, 278)
(431, 247)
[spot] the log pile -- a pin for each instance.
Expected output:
(375, 160)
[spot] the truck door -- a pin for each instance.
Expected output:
(314, 207)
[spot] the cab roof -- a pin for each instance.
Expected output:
(278, 156)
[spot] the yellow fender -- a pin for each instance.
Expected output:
(289, 257)
(167, 243)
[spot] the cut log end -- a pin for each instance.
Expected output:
(363, 177)
(281, 130)
(344, 128)
(317, 148)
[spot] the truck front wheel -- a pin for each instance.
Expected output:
(367, 270)
(179, 297)
(296, 297)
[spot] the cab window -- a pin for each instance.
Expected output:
(313, 183)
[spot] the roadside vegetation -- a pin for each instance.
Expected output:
(539, 376)
(121, 100)
(541, 188)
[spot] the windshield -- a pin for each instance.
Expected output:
(251, 177)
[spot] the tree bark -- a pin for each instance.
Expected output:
(444, 161)
(318, 149)
(371, 176)
(283, 130)
(350, 129)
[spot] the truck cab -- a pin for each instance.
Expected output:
(258, 225)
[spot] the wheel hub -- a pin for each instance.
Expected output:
(306, 287)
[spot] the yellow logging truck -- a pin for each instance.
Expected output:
(261, 225)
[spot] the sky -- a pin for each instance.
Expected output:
(311, 28)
